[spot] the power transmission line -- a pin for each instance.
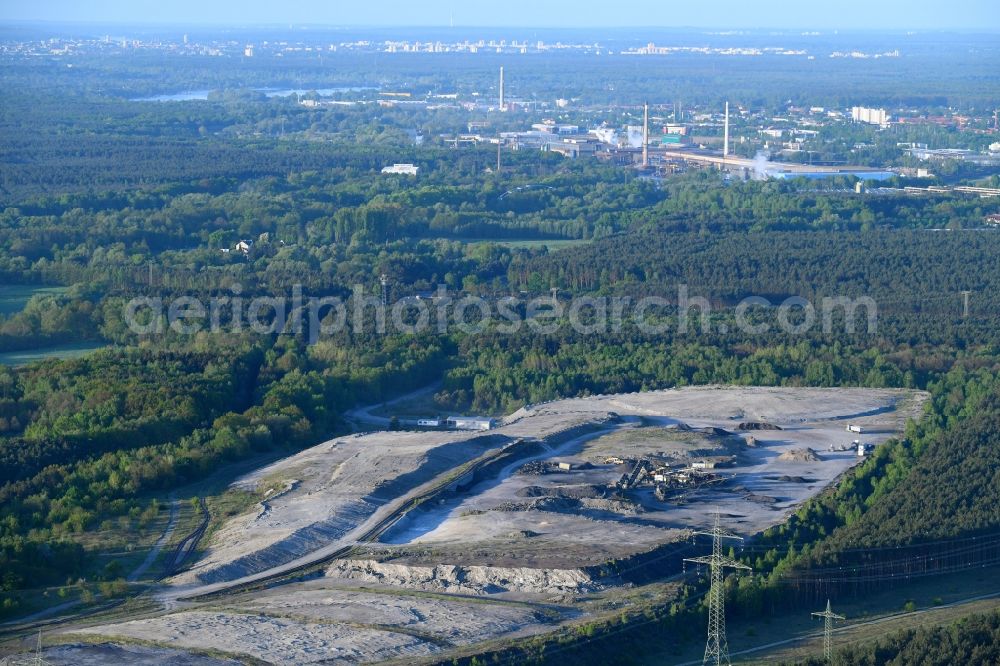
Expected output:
(716, 647)
(919, 545)
(828, 617)
(515, 657)
(972, 553)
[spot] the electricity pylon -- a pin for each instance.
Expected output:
(828, 617)
(384, 280)
(716, 647)
(39, 661)
(35, 659)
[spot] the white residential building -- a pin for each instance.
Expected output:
(861, 114)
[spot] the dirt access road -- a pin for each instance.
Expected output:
(364, 414)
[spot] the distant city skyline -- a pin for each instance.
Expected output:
(723, 14)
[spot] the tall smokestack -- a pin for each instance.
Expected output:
(725, 135)
(503, 105)
(645, 135)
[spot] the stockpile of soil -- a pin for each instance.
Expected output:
(800, 455)
(535, 467)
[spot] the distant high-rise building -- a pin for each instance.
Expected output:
(861, 114)
(248, 51)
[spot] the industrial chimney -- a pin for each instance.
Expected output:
(645, 135)
(503, 104)
(725, 135)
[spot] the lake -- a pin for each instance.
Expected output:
(202, 95)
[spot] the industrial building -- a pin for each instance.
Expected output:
(957, 154)
(550, 127)
(820, 173)
(471, 422)
(574, 146)
(404, 169)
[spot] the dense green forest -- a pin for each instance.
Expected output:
(115, 426)
(914, 269)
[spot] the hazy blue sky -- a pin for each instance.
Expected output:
(796, 14)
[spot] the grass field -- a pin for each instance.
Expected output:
(13, 297)
(68, 350)
(552, 244)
